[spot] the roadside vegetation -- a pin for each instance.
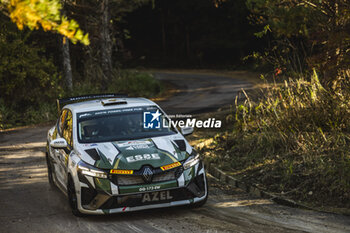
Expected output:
(292, 140)
(293, 137)
(51, 49)
(31, 81)
(35, 103)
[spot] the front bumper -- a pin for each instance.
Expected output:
(101, 196)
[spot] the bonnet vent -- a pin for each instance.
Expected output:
(93, 153)
(181, 144)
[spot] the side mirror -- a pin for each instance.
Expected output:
(59, 143)
(186, 131)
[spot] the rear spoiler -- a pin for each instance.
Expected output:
(69, 100)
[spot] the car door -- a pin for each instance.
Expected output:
(57, 154)
(65, 130)
(67, 134)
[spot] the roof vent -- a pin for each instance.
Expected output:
(107, 102)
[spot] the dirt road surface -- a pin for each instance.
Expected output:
(199, 93)
(29, 204)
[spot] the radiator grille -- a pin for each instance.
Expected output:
(124, 180)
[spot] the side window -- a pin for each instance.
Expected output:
(68, 129)
(61, 120)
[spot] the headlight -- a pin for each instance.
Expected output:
(89, 170)
(192, 160)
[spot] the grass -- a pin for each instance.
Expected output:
(293, 140)
(133, 83)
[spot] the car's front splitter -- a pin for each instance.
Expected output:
(145, 207)
(194, 192)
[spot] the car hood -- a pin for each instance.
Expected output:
(133, 154)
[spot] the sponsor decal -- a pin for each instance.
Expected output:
(136, 158)
(85, 115)
(133, 143)
(156, 196)
(89, 145)
(137, 147)
(151, 120)
(121, 172)
(170, 166)
(109, 112)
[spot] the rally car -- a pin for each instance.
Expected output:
(110, 154)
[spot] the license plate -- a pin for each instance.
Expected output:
(156, 196)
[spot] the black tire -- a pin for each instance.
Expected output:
(72, 198)
(49, 171)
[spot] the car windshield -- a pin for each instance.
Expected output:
(122, 124)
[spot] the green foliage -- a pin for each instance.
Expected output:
(316, 31)
(44, 109)
(44, 13)
(30, 83)
(136, 84)
(286, 18)
(27, 79)
(295, 139)
(133, 83)
(26, 76)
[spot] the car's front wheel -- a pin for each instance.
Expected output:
(72, 198)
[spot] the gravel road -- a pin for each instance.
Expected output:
(28, 204)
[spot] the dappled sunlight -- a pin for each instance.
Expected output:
(11, 177)
(241, 203)
(22, 155)
(266, 162)
(14, 184)
(203, 143)
(23, 146)
(17, 183)
(235, 87)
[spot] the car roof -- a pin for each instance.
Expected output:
(97, 104)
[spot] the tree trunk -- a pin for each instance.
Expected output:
(67, 68)
(106, 45)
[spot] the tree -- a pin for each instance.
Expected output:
(27, 77)
(101, 19)
(324, 25)
(67, 68)
(44, 13)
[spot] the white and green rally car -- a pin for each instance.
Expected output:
(113, 154)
